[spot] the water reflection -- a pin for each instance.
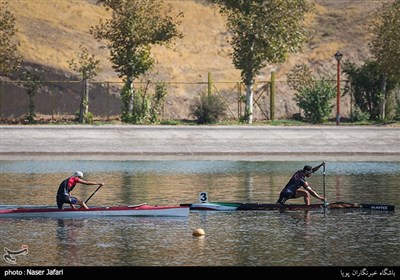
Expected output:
(67, 235)
(297, 216)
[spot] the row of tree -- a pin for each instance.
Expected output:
(263, 32)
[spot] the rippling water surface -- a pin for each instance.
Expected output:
(238, 238)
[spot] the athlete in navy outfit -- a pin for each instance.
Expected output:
(66, 186)
(298, 180)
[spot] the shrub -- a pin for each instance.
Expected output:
(315, 101)
(359, 116)
(208, 109)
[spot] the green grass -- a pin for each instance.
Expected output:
(62, 120)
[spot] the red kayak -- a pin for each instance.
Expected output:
(141, 210)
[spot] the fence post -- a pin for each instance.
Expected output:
(52, 104)
(239, 100)
(272, 97)
(209, 83)
(108, 101)
(1, 99)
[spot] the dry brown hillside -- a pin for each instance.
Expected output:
(51, 32)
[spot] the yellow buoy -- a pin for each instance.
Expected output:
(198, 232)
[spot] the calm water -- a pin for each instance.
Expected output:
(239, 238)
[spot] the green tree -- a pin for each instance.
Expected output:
(385, 48)
(10, 60)
(313, 96)
(158, 101)
(88, 67)
(135, 26)
(315, 100)
(364, 83)
(299, 77)
(386, 39)
(31, 82)
(263, 31)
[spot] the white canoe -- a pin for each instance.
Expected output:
(141, 210)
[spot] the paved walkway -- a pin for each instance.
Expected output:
(266, 143)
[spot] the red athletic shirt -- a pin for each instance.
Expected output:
(68, 185)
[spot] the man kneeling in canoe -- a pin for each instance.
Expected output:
(66, 186)
(298, 180)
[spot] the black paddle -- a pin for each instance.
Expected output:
(93, 194)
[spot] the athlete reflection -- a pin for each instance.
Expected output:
(9, 255)
(67, 235)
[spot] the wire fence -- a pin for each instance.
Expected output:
(56, 99)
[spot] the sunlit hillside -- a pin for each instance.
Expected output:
(50, 33)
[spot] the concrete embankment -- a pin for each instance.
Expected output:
(253, 143)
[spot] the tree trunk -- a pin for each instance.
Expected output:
(86, 103)
(81, 109)
(84, 107)
(249, 103)
(382, 106)
(272, 97)
(129, 84)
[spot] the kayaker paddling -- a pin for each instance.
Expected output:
(65, 188)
